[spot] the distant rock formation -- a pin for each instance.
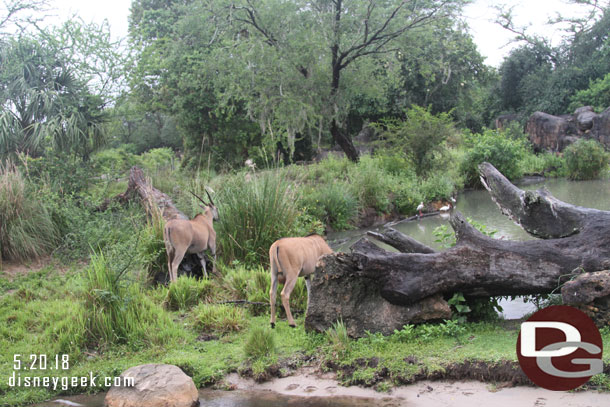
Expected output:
(555, 133)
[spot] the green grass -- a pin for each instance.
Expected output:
(27, 230)
(38, 310)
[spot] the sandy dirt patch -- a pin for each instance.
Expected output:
(424, 394)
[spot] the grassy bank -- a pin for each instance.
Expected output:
(50, 312)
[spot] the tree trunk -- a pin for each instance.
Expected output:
(343, 140)
(577, 240)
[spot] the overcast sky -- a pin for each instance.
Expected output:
(491, 39)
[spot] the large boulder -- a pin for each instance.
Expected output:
(155, 385)
(584, 118)
(601, 128)
(550, 133)
(348, 294)
(554, 133)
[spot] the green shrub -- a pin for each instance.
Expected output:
(370, 184)
(549, 164)
(118, 312)
(329, 169)
(253, 214)
(334, 204)
(436, 187)
(494, 147)
(219, 318)
(406, 196)
(421, 137)
(27, 230)
(156, 159)
(585, 159)
(596, 95)
(260, 343)
(187, 292)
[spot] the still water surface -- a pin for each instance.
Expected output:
(237, 398)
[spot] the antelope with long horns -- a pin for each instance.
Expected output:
(291, 258)
(183, 236)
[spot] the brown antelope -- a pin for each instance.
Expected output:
(183, 236)
(291, 258)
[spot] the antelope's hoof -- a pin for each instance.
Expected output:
(293, 326)
(273, 325)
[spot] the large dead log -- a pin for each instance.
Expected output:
(155, 201)
(576, 240)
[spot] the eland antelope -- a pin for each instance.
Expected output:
(291, 258)
(183, 236)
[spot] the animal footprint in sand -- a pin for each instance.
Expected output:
(292, 386)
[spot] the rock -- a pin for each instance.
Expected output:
(584, 118)
(550, 133)
(338, 292)
(156, 385)
(554, 133)
(601, 128)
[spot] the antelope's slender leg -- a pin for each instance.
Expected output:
(273, 292)
(288, 287)
(178, 256)
(203, 265)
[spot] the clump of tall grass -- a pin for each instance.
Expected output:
(151, 247)
(338, 338)
(260, 343)
(219, 318)
(27, 230)
(254, 212)
(186, 292)
(119, 312)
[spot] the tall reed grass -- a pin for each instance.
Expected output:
(254, 212)
(120, 312)
(27, 230)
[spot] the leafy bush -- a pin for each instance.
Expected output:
(420, 137)
(27, 229)
(370, 184)
(596, 95)
(494, 147)
(334, 204)
(220, 318)
(260, 343)
(253, 214)
(186, 292)
(585, 159)
(437, 187)
(406, 196)
(549, 164)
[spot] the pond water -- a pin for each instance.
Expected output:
(237, 398)
(477, 204)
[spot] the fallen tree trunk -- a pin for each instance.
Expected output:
(575, 240)
(156, 202)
